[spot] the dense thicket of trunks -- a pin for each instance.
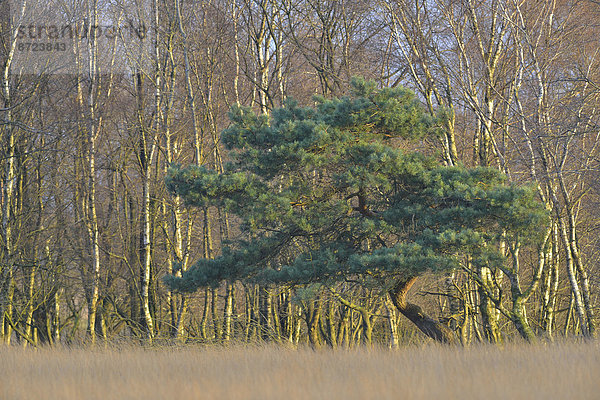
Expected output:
(88, 229)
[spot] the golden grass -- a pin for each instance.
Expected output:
(565, 371)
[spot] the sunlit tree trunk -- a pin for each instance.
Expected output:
(91, 124)
(392, 324)
(8, 142)
(312, 316)
(147, 146)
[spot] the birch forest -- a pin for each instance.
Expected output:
(90, 232)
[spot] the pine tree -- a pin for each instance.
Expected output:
(324, 194)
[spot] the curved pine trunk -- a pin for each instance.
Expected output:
(429, 326)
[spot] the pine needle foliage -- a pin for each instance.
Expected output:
(324, 194)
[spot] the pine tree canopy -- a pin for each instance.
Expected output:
(324, 194)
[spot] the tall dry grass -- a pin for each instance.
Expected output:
(564, 371)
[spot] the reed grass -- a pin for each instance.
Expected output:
(543, 371)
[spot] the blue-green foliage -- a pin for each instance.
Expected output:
(324, 194)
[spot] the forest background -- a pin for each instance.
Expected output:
(89, 230)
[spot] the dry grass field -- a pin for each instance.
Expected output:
(565, 371)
